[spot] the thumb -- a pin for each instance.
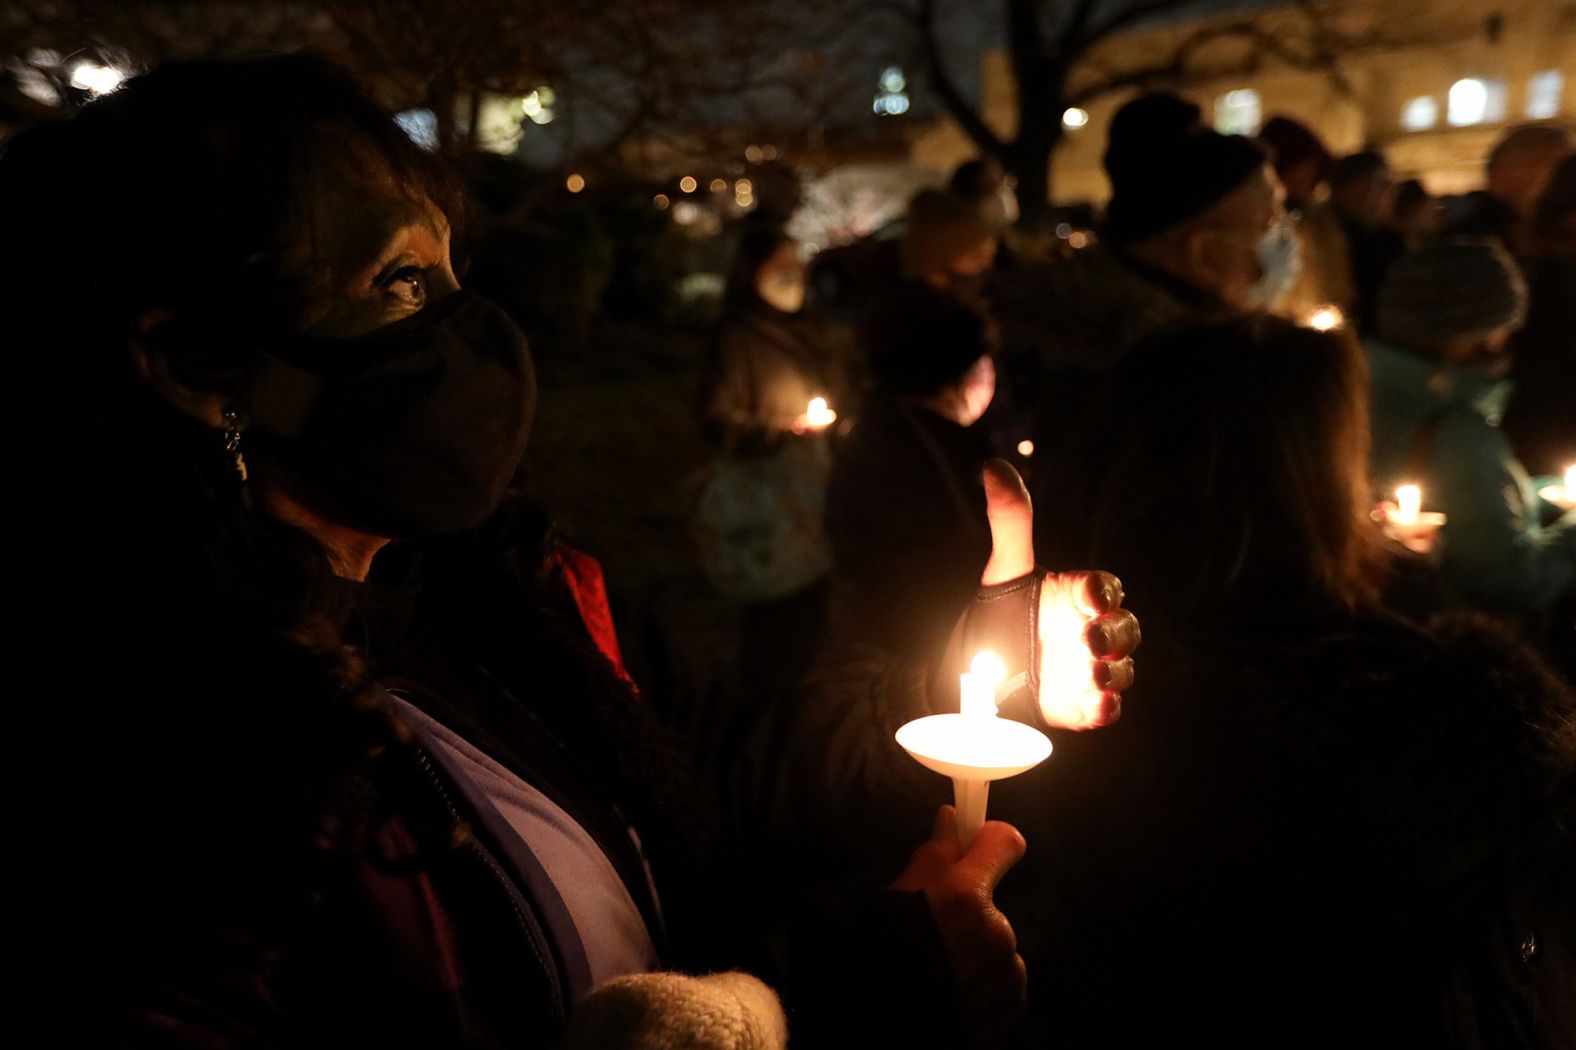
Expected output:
(944, 834)
(1011, 524)
(992, 854)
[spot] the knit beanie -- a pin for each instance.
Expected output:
(1451, 290)
(1141, 122)
(921, 340)
(941, 228)
(1166, 167)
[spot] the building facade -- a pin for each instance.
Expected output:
(1435, 106)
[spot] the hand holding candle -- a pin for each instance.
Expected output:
(817, 416)
(974, 746)
(981, 946)
(1407, 523)
(1079, 660)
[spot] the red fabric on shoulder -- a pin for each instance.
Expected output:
(583, 574)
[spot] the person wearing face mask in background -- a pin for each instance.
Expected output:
(769, 360)
(1446, 314)
(1302, 163)
(948, 244)
(1195, 230)
(904, 510)
(758, 521)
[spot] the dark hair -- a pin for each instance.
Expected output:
(201, 171)
(1554, 208)
(758, 242)
(1354, 166)
(1524, 140)
(922, 341)
(1146, 124)
(974, 179)
(1239, 476)
(1292, 142)
(1411, 194)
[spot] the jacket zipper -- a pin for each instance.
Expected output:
(543, 957)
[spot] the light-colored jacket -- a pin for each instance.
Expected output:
(1438, 425)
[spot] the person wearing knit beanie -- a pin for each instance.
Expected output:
(1446, 314)
(1200, 208)
(1141, 123)
(1454, 299)
(1172, 180)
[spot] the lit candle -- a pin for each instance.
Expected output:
(818, 414)
(978, 688)
(1562, 496)
(1326, 318)
(1408, 502)
(974, 746)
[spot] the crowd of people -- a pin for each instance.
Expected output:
(351, 754)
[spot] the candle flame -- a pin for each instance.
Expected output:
(988, 667)
(1326, 318)
(1409, 501)
(818, 415)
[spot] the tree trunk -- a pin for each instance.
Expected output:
(1039, 133)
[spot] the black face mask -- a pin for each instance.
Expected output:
(412, 430)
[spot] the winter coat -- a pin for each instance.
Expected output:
(1319, 829)
(905, 514)
(1307, 829)
(1066, 324)
(1438, 425)
(1370, 252)
(1079, 315)
(1541, 416)
(768, 366)
(1325, 278)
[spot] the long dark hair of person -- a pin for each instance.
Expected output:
(1237, 474)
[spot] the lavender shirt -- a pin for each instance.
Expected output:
(611, 928)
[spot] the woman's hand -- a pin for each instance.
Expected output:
(979, 941)
(1086, 637)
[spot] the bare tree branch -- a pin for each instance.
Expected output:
(957, 105)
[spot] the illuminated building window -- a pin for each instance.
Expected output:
(1420, 114)
(1476, 100)
(1237, 112)
(1543, 94)
(892, 101)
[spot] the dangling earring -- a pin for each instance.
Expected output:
(232, 441)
